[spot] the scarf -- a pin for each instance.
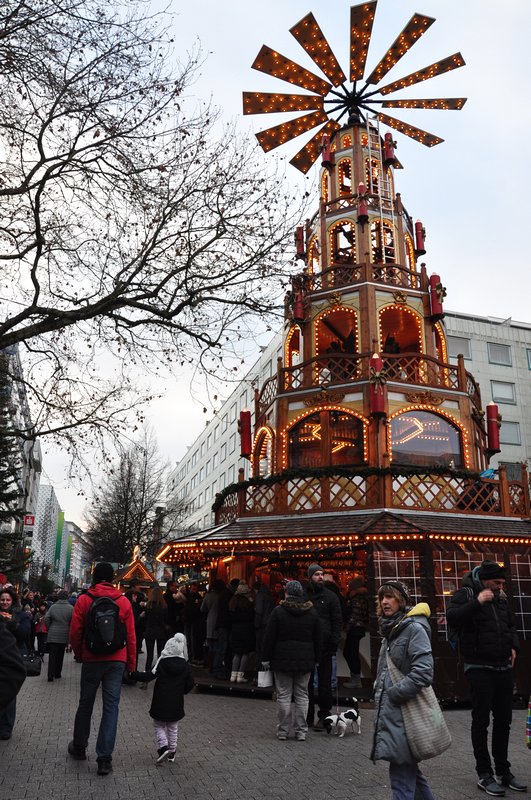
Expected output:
(387, 625)
(175, 647)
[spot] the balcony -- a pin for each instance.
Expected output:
(362, 489)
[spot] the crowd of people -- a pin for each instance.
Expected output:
(292, 628)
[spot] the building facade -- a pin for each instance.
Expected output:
(48, 545)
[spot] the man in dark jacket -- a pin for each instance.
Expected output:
(12, 672)
(292, 645)
(328, 608)
(98, 668)
(488, 644)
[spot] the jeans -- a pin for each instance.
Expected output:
(55, 659)
(288, 684)
(109, 674)
(324, 689)
(408, 782)
(220, 651)
(492, 690)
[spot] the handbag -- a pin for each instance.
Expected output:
(32, 663)
(426, 730)
(265, 678)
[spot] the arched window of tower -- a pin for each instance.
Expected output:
(382, 243)
(343, 242)
(344, 177)
(324, 187)
(424, 438)
(326, 438)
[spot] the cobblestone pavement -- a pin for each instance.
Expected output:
(227, 751)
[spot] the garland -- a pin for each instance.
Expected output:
(342, 472)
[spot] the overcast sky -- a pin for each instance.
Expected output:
(471, 192)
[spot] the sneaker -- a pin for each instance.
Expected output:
(282, 737)
(510, 781)
(76, 752)
(300, 737)
(170, 758)
(163, 754)
(489, 785)
(104, 766)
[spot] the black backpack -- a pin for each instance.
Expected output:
(104, 630)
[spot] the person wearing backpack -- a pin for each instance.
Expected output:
(102, 635)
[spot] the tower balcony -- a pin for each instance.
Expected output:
(342, 274)
(341, 489)
(344, 370)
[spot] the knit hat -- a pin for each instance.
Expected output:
(62, 595)
(313, 568)
(103, 572)
(242, 588)
(293, 589)
(400, 587)
(490, 570)
(175, 647)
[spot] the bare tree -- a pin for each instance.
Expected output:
(132, 236)
(129, 509)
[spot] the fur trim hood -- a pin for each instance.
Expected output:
(296, 605)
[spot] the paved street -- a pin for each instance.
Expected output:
(227, 751)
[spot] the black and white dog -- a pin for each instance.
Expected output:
(340, 723)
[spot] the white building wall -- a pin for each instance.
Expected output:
(213, 460)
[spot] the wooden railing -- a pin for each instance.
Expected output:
(311, 493)
(343, 273)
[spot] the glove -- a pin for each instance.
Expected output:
(266, 665)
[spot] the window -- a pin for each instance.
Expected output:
(232, 416)
(499, 354)
(421, 438)
(202, 449)
(209, 441)
(201, 474)
(510, 433)
(208, 467)
(223, 453)
(458, 345)
(513, 470)
(214, 461)
(325, 439)
(503, 392)
(528, 358)
(230, 475)
(194, 458)
(232, 443)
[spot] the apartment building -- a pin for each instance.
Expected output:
(496, 351)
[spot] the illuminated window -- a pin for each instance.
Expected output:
(344, 171)
(264, 455)
(382, 243)
(372, 175)
(326, 438)
(324, 187)
(343, 242)
(422, 438)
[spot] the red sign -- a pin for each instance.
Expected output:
(29, 521)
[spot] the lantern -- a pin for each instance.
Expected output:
(377, 388)
(389, 145)
(437, 295)
(420, 236)
(493, 428)
(244, 427)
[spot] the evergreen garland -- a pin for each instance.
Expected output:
(343, 472)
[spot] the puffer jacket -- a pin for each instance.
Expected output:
(487, 631)
(292, 638)
(409, 645)
(57, 620)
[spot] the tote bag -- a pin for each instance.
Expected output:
(426, 731)
(265, 678)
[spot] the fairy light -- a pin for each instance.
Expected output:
(263, 449)
(379, 241)
(344, 177)
(304, 159)
(292, 344)
(418, 134)
(440, 104)
(361, 21)
(324, 187)
(415, 28)
(347, 140)
(333, 230)
(279, 66)
(271, 103)
(280, 134)
(410, 252)
(438, 68)
(310, 36)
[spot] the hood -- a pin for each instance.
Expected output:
(105, 590)
(420, 610)
(295, 605)
(472, 579)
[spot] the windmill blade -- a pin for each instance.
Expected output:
(310, 36)
(439, 68)
(416, 27)
(409, 130)
(279, 66)
(274, 137)
(440, 104)
(266, 103)
(309, 153)
(361, 20)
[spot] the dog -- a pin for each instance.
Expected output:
(340, 723)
